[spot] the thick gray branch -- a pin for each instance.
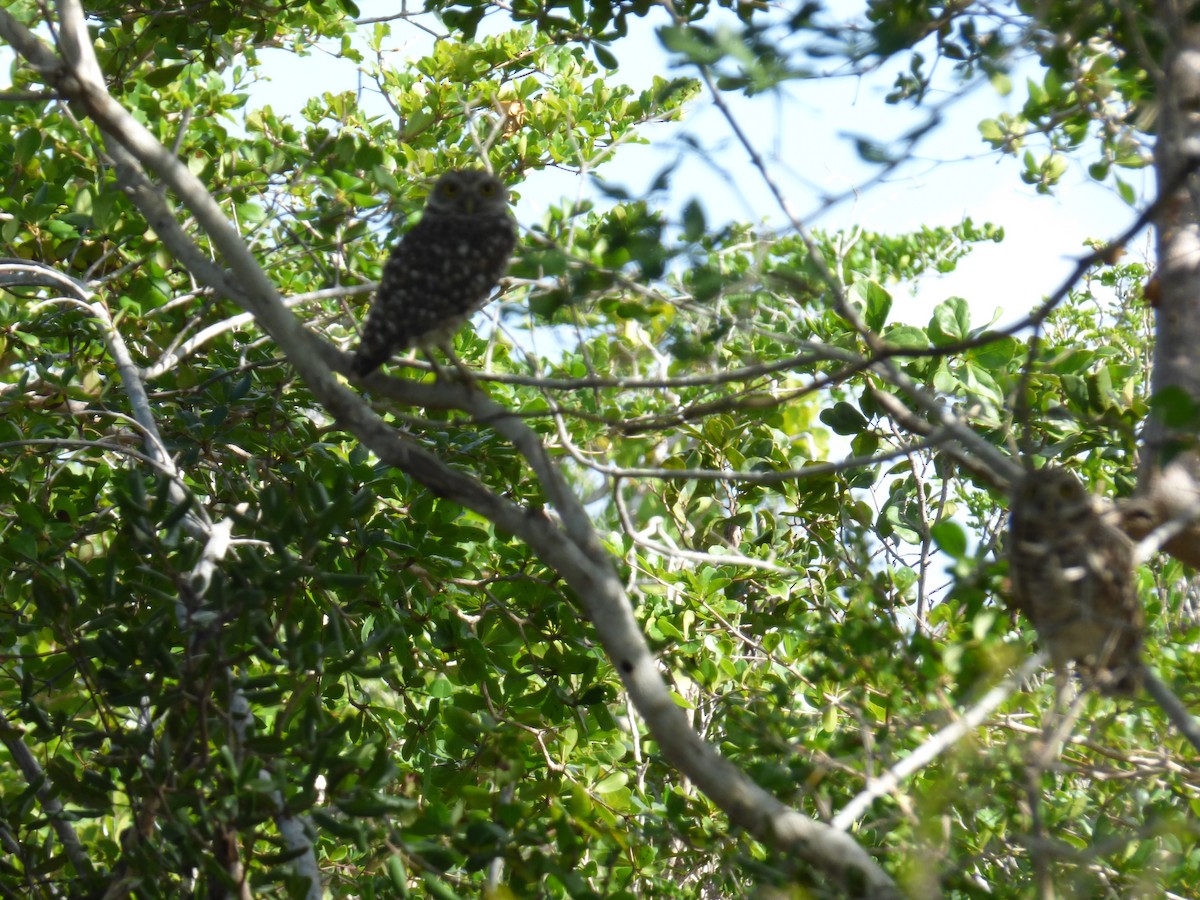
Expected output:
(573, 550)
(1169, 480)
(13, 740)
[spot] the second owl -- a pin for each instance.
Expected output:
(1071, 570)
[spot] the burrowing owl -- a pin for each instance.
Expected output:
(442, 271)
(1071, 571)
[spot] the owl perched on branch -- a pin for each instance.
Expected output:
(443, 269)
(1072, 573)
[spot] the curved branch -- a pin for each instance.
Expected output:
(13, 740)
(572, 549)
(711, 559)
(22, 272)
(174, 357)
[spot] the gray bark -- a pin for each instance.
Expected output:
(1170, 464)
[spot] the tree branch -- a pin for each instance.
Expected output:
(22, 272)
(35, 777)
(574, 550)
(938, 744)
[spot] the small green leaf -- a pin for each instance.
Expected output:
(605, 57)
(1125, 189)
(951, 322)
(613, 782)
(904, 578)
(879, 304)
(950, 538)
(27, 143)
(164, 75)
(1037, 94)
(694, 225)
(944, 380)
(908, 336)
(844, 418)
(61, 230)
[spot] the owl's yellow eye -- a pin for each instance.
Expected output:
(487, 189)
(450, 189)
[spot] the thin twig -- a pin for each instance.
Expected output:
(938, 744)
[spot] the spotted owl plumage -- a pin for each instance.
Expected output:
(1071, 571)
(442, 271)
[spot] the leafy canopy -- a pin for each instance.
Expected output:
(418, 682)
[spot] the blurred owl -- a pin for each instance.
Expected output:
(442, 270)
(1071, 571)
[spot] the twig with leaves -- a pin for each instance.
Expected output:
(571, 548)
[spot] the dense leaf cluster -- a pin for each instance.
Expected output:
(416, 682)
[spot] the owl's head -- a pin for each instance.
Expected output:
(1053, 493)
(468, 192)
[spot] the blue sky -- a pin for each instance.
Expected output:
(805, 131)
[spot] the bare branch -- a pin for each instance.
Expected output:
(35, 777)
(712, 559)
(1171, 705)
(26, 96)
(938, 744)
(31, 47)
(172, 358)
(709, 379)
(573, 550)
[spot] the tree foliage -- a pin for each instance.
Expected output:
(256, 627)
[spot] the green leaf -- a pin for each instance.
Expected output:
(163, 75)
(693, 43)
(843, 418)
(951, 322)
(878, 303)
(1126, 191)
(944, 380)
(605, 57)
(979, 381)
(694, 224)
(908, 336)
(950, 538)
(26, 144)
(611, 783)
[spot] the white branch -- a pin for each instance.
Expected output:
(173, 358)
(23, 272)
(936, 745)
(573, 550)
